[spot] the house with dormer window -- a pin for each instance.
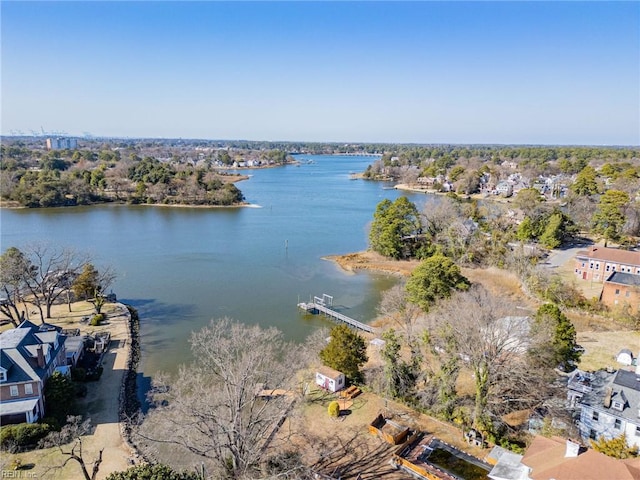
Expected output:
(29, 355)
(612, 408)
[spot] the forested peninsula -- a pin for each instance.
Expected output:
(143, 172)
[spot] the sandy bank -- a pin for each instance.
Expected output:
(368, 260)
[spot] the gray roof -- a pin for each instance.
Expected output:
(624, 386)
(625, 378)
(12, 338)
(19, 351)
(74, 343)
(19, 406)
(624, 279)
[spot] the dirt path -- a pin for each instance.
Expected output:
(101, 403)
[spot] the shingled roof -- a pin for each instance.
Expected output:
(546, 458)
(19, 350)
(613, 255)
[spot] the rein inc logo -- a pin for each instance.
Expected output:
(18, 474)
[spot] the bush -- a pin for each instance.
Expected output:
(152, 472)
(94, 375)
(22, 435)
(97, 319)
(54, 424)
(334, 409)
(81, 390)
(78, 374)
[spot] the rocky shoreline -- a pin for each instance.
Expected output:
(129, 405)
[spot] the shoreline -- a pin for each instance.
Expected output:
(124, 204)
(368, 260)
(111, 402)
(128, 403)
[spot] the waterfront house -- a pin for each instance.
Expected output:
(330, 379)
(598, 263)
(29, 355)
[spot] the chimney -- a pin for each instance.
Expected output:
(606, 402)
(573, 449)
(41, 362)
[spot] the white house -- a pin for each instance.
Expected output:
(330, 379)
(612, 408)
(504, 188)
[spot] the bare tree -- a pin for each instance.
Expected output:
(214, 407)
(404, 314)
(13, 265)
(69, 442)
(436, 217)
(448, 225)
(50, 274)
(494, 344)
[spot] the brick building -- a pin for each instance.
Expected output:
(598, 263)
(622, 289)
(29, 355)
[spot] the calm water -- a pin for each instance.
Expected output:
(182, 267)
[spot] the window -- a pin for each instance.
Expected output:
(617, 291)
(617, 424)
(591, 266)
(28, 388)
(583, 264)
(593, 435)
(14, 390)
(3, 376)
(595, 416)
(608, 268)
(597, 266)
(618, 406)
(626, 294)
(638, 431)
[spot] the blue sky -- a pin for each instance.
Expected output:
(423, 72)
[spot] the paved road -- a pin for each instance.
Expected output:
(557, 258)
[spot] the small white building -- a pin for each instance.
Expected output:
(330, 379)
(625, 357)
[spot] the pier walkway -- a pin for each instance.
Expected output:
(322, 304)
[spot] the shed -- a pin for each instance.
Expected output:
(625, 357)
(330, 379)
(75, 349)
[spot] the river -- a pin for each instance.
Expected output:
(181, 267)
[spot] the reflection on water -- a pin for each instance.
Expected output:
(182, 267)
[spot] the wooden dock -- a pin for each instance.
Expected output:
(319, 305)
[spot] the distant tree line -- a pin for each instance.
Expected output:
(33, 178)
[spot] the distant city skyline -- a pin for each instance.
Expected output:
(551, 73)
